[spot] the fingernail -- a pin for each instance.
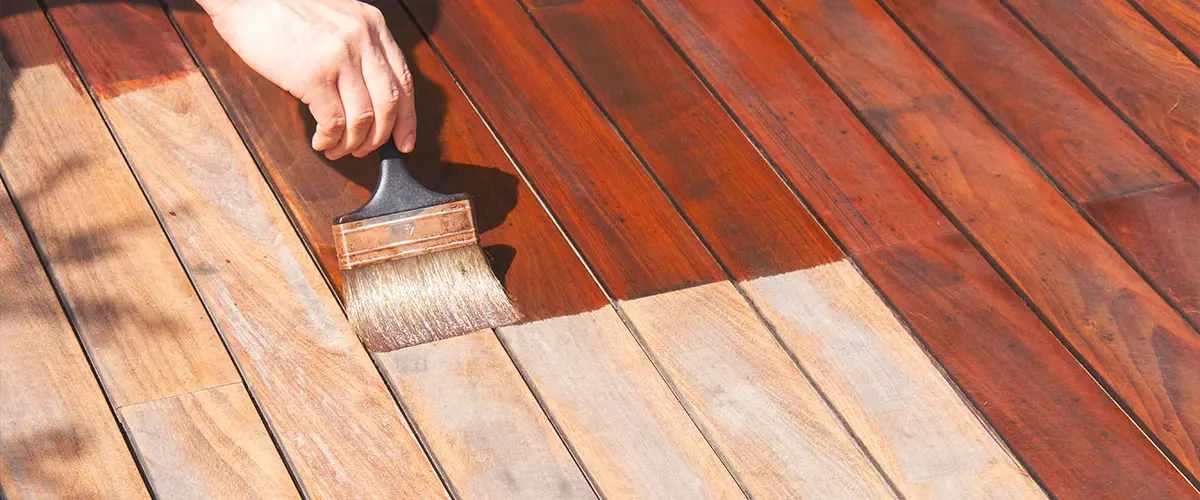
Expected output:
(406, 146)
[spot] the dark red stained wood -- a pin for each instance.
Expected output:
(739, 205)
(1178, 18)
(1142, 348)
(455, 153)
(1132, 63)
(1083, 445)
(1161, 230)
(835, 163)
(623, 224)
(136, 29)
(774, 92)
(1082, 144)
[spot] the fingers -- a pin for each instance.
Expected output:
(325, 104)
(360, 113)
(385, 95)
(405, 128)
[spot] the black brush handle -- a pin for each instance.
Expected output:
(397, 190)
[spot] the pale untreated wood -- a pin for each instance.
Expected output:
(475, 413)
(207, 444)
(58, 438)
(613, 409)
(144, 329)
(759, 410)
(334, 418)
(919, 430)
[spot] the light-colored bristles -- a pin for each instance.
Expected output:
(429, 297)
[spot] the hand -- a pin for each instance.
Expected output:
(337, 56)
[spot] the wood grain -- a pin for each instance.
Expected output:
(888, 390)
(773, 91)
(462, 392)
(455, 153)
(730, 193)
(611, 406)
(58, 438)
(1071, 133)
(738, 204)
(1132, 63)
(549, 281)
(1133, 340)
(491, 435)
(776, 432)
(1158, 227)
(336, 422)
(972, 322)
(800, 123)
(1179, 19)
(628, 232)
(144, 329)
(207, 444)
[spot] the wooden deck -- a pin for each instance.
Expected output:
(766, 248)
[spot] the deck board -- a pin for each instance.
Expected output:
(840, 249)
(143, 326)
(734, 198)
(58, 436)
(1084, 147)
(1077, 280)
(207, 444)
(871, 205)
(146, 333)
(322, 397)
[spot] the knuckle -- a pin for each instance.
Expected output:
(372, 14)
(363, 120)
(337, 122)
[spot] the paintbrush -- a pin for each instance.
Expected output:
(412, 265)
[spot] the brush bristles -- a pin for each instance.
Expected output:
(430, 297)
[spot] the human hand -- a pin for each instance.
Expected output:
(337, 56)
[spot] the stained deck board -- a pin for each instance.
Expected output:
(698, 384)
(1178, 19)
(207, 444)
(868, 202)
(1159, 227)
(730, 436)
(613, 214)
(752, 222)
(733, 197)
(456, 152)
(1079, 282)
(1084, 147)
(1067, 129)
(337, 425)
(1131, 63)
(962, 310)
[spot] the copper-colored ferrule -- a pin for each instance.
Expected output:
(405, 234)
